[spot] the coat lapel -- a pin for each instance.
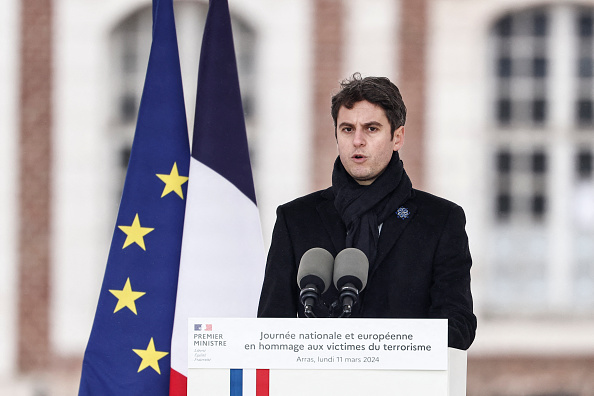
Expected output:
(332, 221)
(391, 231)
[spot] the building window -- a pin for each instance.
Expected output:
(522, 65)
(584, 165)
(585, 44)
(521, 185)
(542, 242)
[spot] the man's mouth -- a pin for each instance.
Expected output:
(358, 157)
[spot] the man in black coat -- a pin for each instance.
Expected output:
(416, 244)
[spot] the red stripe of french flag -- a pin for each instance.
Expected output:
(262, 382)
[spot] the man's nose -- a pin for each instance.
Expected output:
(359, 138)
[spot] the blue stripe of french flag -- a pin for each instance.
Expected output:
(222, 258)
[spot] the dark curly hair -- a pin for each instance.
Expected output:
(377, 90)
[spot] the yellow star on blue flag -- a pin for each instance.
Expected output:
(126, 297)
(150, 357)
(173, 182)
(135, 233)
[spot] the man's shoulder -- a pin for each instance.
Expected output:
(310, 200)
(425, 198)
(434, 208)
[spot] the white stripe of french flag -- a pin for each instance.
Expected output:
(222, 257)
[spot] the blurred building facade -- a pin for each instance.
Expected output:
(501, 120)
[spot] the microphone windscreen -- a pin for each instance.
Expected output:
(315, 267)
(351, 266)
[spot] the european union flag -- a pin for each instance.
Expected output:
(129, 347)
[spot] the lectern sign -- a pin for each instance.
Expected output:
(391, 344)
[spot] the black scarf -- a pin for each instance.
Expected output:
(364, 208)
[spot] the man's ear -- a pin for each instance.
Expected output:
(398, 138)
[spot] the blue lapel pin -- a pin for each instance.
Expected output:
(402, 213)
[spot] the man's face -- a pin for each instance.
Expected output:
(365, 145)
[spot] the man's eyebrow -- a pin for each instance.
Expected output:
(346, 123)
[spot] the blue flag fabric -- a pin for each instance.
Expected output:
(220, 140)
(128, 352)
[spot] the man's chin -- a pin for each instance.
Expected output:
(363, 176)
(364, 180)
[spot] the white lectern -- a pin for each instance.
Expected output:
(273, 346)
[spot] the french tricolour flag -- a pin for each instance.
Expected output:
(234, 382)
(222, 258)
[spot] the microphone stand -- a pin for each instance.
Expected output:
(309, 298)
(349, 295)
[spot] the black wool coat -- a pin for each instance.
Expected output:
(422, 265)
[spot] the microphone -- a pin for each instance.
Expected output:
(313, 277)
(351, 268)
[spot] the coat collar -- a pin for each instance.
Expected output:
(391, 229)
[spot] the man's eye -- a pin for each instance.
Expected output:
(372, 129)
